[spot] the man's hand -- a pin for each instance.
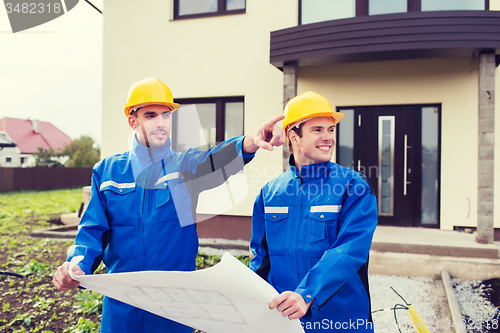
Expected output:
(63, 281)
(267, 136)
(290, 304)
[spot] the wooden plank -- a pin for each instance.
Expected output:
(456, 314)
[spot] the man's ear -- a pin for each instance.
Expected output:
(292, 136)
(132, 122)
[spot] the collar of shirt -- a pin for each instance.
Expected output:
(141, 159)
(309, 171)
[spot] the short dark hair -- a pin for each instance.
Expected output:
(298, 130)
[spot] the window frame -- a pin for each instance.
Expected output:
(362, 7)
(220, 113)
(221, 11)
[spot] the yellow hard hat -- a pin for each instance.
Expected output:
(150, 91)
(309, 105)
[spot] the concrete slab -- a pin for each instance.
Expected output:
(66, 232)
(425, 265)
(396, 251)
(70, 219)
(224, 244)
(431, 241)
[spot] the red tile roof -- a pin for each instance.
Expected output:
(22, 133)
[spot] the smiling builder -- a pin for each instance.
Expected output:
(312, 227)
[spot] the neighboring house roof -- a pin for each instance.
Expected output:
(28, 138)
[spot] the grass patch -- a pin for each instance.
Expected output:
(32, 303)
(23, 211)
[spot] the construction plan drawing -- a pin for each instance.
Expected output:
(228, 297)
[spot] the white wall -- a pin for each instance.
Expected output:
(229, 56)
(14, 154)
(494, 4)
(451, 82)
(205, 57)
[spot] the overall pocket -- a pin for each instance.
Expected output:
(323, 229)
(120, 203)
(276, 230)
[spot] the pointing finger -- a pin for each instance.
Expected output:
(271, 122)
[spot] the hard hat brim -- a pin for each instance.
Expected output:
(129, 107)
(335, 116)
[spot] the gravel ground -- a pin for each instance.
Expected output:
(423, 294)
(417, 291)
(478, 312)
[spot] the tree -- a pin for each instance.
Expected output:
(47, 158)
(81, 152)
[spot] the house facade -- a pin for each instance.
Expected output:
(416, 79)
(28, 135)
(10, 154)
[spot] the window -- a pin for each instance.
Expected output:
(430, 166)
(377, 7)
(23, 159)
(208, 122)
(312, 11)
(435, 5)
(345, 140)
(8, 159)
(204, 8)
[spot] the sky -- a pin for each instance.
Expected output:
(53, 72)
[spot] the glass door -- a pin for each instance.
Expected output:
(397, 148)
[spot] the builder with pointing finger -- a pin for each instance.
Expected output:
(142, 208)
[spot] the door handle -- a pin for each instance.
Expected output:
(405, 166)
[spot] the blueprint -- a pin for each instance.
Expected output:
(228, 297)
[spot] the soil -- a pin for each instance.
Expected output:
(492, 293)
(20, 294)
(31, 303)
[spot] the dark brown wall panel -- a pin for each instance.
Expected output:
(388, 37)
(41, 178)
(225, 226)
